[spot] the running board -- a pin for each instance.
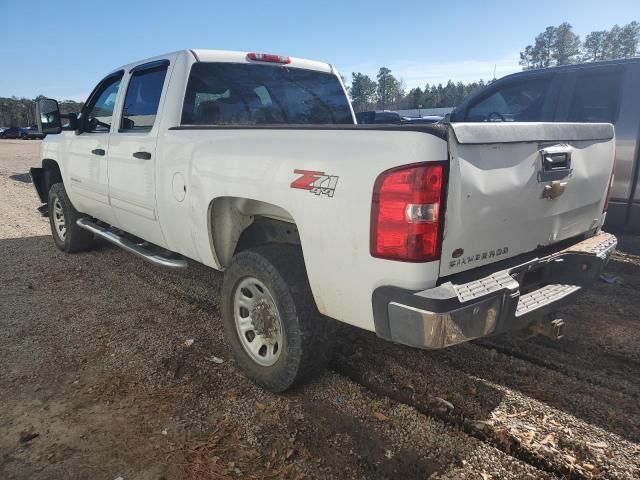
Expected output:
(129, 246)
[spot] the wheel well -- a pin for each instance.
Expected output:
(236, 224)
(45, 176)
(265, 230)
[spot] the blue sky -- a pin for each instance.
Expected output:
(62, 48)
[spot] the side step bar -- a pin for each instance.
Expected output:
(129, 246)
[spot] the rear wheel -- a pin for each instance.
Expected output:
(271, 322)
(67, 235)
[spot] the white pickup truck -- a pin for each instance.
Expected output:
(428, 235)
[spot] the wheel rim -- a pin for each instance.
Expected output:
(258, 322)
(59, 224)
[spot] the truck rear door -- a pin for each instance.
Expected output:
(515, 187)
(132, 152)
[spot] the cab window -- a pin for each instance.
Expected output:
(249, 94)
(596, 98)
(514, 102)
(99, 111)
(142, 99)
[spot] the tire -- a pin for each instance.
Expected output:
(24, 136)
(67, 235)
(305, 335)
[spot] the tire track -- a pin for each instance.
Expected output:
(379, 355)
(509, 445)
(179, 286)
(516, 425)
(614, 382)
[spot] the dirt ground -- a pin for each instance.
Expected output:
(99, 380)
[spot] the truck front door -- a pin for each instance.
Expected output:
(87, 155)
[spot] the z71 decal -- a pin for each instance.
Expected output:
(316, 182)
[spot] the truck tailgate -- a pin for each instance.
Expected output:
(516, 187)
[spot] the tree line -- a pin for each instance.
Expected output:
(559, 45)
(388, 93)
(21, 112)
(556, 45)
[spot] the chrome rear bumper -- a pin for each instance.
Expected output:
(509, 299)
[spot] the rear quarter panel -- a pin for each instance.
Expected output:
(259, 164)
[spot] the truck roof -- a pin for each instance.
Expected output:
(572, 66)
(241, 57)
(205, 55)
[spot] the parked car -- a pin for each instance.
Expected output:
(589, 92)
(30, 133)
(428, 235)
(379, 117)
(11, 132)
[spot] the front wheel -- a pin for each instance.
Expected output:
(67, 235)
(271, 322)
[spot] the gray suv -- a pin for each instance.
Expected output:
(589, 92)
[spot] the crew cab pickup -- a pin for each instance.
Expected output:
(428, 235)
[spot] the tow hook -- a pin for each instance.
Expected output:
(552, 328)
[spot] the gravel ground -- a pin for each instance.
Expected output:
(99, 379)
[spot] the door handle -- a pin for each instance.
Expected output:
(98, 151)
(142, 155)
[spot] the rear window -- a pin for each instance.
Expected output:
(596, 98)
(248, 94)
(513, 102)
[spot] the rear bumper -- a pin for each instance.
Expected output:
(509, 299)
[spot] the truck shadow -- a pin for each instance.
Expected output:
(21, 177)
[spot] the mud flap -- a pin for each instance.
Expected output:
(38, 178)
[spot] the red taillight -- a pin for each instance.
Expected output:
(407, 211)
(268, 57)
(611, 178)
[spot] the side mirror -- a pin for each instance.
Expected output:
(87, 124)
(48, 115)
